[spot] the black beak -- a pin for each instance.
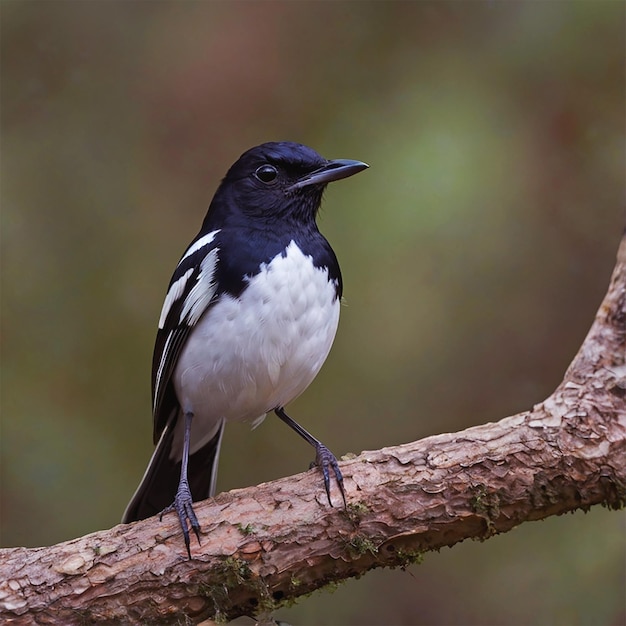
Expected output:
(333, 170)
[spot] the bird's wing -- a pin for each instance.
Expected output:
(192, 290)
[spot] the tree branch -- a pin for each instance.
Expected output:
(274, 542)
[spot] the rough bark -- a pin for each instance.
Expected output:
(271, 543)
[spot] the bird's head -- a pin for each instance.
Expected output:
(280, 180)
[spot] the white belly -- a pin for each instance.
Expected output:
(251, 354)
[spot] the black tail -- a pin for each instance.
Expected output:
(160, 481)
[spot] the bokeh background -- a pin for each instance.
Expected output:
(475, 252)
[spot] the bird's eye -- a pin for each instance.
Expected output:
(266, 174)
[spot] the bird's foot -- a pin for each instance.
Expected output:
(326, 460)
(183, 505)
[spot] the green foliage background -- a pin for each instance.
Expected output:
(475, 251)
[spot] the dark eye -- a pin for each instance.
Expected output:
(266, 174)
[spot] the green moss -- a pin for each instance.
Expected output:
(356, 510)
(331, 586)
(487, 505)
(234, 572)
(360, 545)
(248, 529)
(229, 574)
(294, 583)
(409, 557)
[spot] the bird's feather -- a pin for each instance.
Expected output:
(191, 292)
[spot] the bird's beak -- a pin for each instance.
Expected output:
(333, 170)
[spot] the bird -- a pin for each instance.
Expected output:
(249, 317)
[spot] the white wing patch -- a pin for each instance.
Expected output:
(175, 292)
(198, 245)
(202, 292)
(178, 288)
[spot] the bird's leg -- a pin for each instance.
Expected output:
(183, 501)
(324, 458)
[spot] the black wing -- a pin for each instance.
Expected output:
(192, 290)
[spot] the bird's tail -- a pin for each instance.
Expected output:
(160, 481)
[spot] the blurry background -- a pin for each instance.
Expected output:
(475, 252)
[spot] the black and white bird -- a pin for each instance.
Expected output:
(248, 320)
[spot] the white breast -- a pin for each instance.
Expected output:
(250, 354)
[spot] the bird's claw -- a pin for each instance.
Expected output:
(325, 459)
(183, 505)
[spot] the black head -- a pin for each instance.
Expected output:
(278, 180)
